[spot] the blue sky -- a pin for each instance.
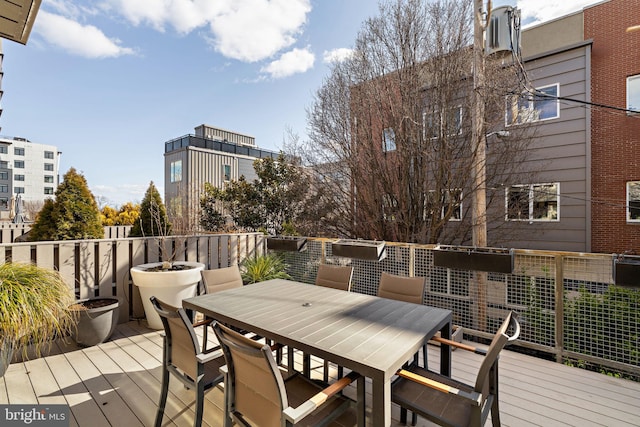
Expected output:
(109, 81)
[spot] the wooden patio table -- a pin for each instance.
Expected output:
(367, 334)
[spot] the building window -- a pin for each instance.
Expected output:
(633, 93)
(18, 164)
(450, 204)
(633, 201)
(48, 179)
(48, 190)
(4, 188)
(532, 107)
(3, 149)
(4, 203)
(48, 166)
(389, 139)
(227, 172)
(176, 171)
(436, 124)
(4, 175)
(389, 207)
(48, 154)
(19, 190)
(536, 202)
(18, 177)
(18, 151)
(4, 164)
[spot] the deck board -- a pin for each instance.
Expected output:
(118, 383)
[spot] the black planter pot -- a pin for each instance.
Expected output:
(287, 243)
(627, 271)
(97, 319)
(361, 249)
(476, 259)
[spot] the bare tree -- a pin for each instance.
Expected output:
(390, 131)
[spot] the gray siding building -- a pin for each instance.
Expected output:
(212, 155)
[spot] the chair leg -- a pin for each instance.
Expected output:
(403, 416)
(197, 422)
(325, 373)
(163, 397)
(425, 356)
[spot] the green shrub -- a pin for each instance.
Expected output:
(264, 267)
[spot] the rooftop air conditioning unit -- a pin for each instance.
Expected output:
(503, 31)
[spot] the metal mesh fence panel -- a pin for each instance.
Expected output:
(566, 302)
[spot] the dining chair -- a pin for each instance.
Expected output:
(256, 392)
(336, 277)
(402, 288)
(183, 358)
(448, 402)
(213, 281)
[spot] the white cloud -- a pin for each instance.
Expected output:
(545, 10)
(246, 30)
(253, 30)
(289, 63)
(83, 40)
(336, 55)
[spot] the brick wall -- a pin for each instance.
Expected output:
(615, 136)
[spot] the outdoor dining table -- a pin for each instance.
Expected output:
(367, 334)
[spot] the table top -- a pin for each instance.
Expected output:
(371, 335)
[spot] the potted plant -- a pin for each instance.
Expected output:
(168, 281)
(363, 249)
(34, 309)
(263, 267)
(497, 260)
(97, 319)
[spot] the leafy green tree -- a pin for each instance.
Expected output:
(44, 226)
(269, 202)
(73, 215)
(211, 219)
(153, 220)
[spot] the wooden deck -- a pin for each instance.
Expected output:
(118, 383)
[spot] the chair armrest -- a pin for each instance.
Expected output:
(202, 323)
(294, 415)
(209, 355)
(474, 397)
(459, 345)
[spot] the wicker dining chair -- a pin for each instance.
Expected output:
(448, 402)
(183, 358)
(257, 393)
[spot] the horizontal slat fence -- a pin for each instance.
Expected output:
(101, 267)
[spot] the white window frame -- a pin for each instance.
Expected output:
(633, 199)
(389, 140)
(524, 107)
(531, 198)
(175, 173)
(633, 93)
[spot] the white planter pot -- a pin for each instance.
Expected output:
(168, 286)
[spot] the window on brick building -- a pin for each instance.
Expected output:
(532, 107)
(633, 93)
(535, 202)
(633, 201)
(388, 139)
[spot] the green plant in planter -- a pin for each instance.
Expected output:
(34, 307)
(264, 267)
